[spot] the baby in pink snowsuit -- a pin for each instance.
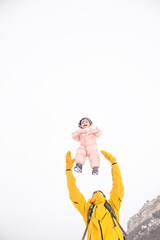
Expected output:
(88, 148)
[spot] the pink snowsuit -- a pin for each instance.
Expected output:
(88, 147)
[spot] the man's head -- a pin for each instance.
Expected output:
(97, 198)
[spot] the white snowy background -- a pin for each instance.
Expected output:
(61, 61)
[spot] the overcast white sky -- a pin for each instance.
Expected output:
(61, 61)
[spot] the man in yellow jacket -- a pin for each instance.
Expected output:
(101, 225)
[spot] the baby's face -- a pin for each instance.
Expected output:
(85, 124)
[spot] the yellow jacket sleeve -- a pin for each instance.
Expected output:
(75, 195)
(117, 191)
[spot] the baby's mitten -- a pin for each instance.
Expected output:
(95, 129)
(74, 134)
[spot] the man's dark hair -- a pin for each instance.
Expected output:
(100, 192)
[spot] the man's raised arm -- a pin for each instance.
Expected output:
(75, 195)
(117, 191)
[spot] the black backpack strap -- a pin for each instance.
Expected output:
(113, 215)
(90, 211)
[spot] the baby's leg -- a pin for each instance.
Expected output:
(94, 157)
(80, 155)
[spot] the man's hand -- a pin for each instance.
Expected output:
(69, 160)
(109, 157)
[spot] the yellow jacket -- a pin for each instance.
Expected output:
(101, 224)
